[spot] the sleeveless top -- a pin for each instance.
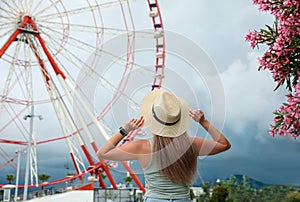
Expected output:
(159, 186)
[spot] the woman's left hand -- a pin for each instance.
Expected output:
(197, 115)
(134, 124)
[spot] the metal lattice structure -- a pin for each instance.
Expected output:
(44, 49)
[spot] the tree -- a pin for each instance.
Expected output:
(103, 176)
(245, 193)
(43, 178)
(192, 194)
(207, 192)
(282, 59)
(233, 189)
(274, 193)
(127, 180)
(293, 196)
(10, 178)
(220, 194)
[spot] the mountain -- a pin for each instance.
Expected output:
(255, 184)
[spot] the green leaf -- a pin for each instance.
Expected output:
(277, 87)
(265, 31)
(270, 29)
(278, 113)
(278, 124)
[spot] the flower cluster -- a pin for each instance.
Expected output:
(282, 59)
(287, 120)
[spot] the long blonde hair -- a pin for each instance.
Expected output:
(175, 158)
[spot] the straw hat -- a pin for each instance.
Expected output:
(165, 114)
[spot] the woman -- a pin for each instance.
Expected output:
(169, 161)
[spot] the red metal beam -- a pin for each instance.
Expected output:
(54, 65)
(134, 177)
(13, 37)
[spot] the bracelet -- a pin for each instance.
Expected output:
(123, 131)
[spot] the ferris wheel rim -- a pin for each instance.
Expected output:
(159, 65)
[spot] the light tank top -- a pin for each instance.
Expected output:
(159, 186)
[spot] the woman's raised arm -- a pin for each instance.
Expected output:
(110, 151)
(208, 147)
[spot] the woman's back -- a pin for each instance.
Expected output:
(160, 186)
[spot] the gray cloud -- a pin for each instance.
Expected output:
(218, 28)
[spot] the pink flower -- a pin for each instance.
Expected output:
(282, 59)
(252, 37)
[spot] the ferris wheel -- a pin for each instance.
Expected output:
(70, 72)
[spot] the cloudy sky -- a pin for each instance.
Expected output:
(208, 55)
(219, 27)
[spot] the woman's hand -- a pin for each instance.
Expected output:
(133, 124)
(129, 151)
(197, 115)
(208, 147)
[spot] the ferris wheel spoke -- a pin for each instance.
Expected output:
(12, 9)
(10, 161)
(56, 27)
(69, 97)
(68, 55)
(12, 72)
(89, 70)
(83, 124)
(7, 158)
(50, 30)
(53, 25)
(24, 79)
(61, 109)
(82, 10)
(75, 154)
(7, 85)
(35, 5)
(7, 20)
(89, 113)
(53, 4)
(9, 29)
(77, 62)
(86, 109)
(20, 5)
(19, 121)
(28, 72)
(50, 25)
(56, 41)
(80, 44)
(106, 84)
(28, 4)
(14, 119)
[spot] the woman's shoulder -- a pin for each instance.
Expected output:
(143, 145)
(146, 144)
(143, 141)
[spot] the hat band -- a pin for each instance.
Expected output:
(161, 121)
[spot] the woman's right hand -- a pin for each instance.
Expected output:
(133, 124)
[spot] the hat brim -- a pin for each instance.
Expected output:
(157, 128)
